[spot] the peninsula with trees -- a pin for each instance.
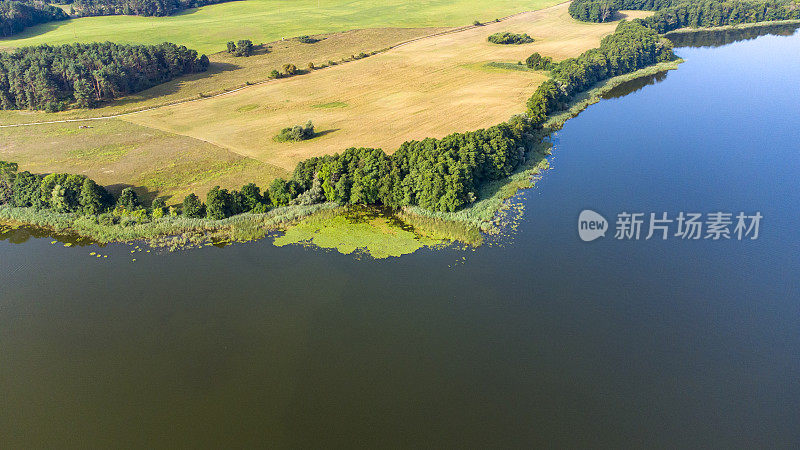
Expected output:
(452, 177)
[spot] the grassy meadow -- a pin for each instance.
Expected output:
(207, 29)
(119, 154)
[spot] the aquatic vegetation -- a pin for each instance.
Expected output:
(358, 230)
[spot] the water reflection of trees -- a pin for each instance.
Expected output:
(634, 85)
(717, 38)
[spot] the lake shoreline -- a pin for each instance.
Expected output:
(466, 226)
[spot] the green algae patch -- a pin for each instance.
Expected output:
(360, 230)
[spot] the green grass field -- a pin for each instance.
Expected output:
(207, 29)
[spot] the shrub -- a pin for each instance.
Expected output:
(274, 74)
(307, 39)
(510, 38)
(158, 208)
(243, 48)
(290, 69)
(296, 133)
(261, 208)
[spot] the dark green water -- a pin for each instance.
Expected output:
(543, 340)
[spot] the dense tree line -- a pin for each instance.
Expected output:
(133, 7)
(674, 14)
(719, 13)
(16, 15)
(631, 47)
(53, 77)
(606, 10)
(69, 193)
(60, 192)
(593, 10)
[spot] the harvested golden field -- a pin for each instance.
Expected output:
(119, 154)
(427, 88)
(430, 87)
(227, 72)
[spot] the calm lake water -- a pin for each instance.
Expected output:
(540, 339)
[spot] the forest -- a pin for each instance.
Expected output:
(17, 15)
(53, 78)
(84, 8)
(631, 47)
(675, 14)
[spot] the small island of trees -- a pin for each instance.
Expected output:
(296, 133)
(507, 38)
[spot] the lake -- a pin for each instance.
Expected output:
(536, 338)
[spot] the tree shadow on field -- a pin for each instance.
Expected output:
(173, 86)
(190, 11)
(36, 30)
(319, 134)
